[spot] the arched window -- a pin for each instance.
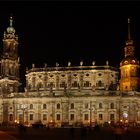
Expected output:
(75, 84)
(40, 85)
(100, 116)
(44, 106)
(86, 105)
(112, 117)
(58, 117)
(58, 106)
(87, 84)
(72, 106)
(62, 84)
(11, 117)
(31, 106)
(51, 84)
(10, 70)
(100, 105)
(33, 81)
(99, 84)
(44, 117)
(112, 105)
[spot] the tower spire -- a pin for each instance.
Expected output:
(11, 29)
(11, 21)
(129, 35)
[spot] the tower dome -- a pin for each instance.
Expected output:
(11, 29)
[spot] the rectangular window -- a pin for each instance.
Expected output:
(39, 106)
(44, 117)
(44, 106)
(86, 117)
(11, 117)
(100, 116)
(20, 117)
(75, 84)
(58, 117)
(62, 84)
(99, 84)
(31, 117)
(31, 106)
(71, 117)
(0, 117)
(86, 105)
(51, 84)
(72, 106)
(138, 117)
(87, 84)
(111, 116)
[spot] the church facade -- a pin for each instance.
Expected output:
(71, 95)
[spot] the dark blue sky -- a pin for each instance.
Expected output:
(52, 32)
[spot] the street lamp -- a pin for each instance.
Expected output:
(23, 107)
(90, 113)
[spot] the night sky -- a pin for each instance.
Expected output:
(51, 32)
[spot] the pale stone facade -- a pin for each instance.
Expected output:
(70, 95)
(63, 78)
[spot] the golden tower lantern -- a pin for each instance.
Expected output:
(129, 66)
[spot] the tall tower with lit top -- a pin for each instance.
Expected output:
(9, 64)
(129, 66)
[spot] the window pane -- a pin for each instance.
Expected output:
(111, 116)
(58, 117)
(58, 106)
(86, 117)
(72, 106)
(100, 116)
(20, 117)
(112, 105)
(31, 116)
(11, 117)
(31, 106)
(100, 105)
(44, 106)
(86, 105)
(44, 116)
(72, 117)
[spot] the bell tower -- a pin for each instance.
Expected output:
(9, 64)
(129, 66)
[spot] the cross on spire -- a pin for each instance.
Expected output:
(129, 35)
(11, 21)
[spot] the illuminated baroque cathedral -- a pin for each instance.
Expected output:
(71, 95)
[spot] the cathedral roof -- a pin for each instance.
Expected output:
(72, 68)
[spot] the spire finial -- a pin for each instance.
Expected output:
(129, 35)
(11, 21)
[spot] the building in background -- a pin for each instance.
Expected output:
(71, 95)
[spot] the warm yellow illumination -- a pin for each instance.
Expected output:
(29, 125)
(133, 61)
(126, 121)
(126, 62)
(16, 121)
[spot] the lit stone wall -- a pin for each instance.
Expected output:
(72, 110)
(129, 78)
(93, 78)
